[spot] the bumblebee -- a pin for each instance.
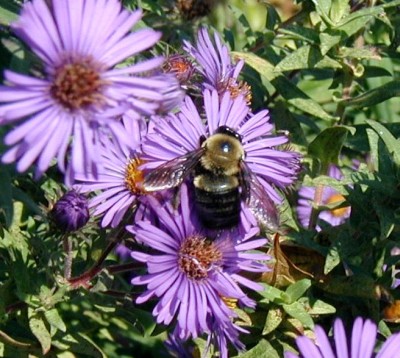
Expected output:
(221, 180)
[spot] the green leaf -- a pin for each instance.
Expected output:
(392, 144)
(358, 19)
(8, 12)
(39, 330)
(78, 343)
(54, 319)
(299, 99)
(307, 56)
(386, 219)
(319, 307)
(373, 140)
(6, 203)
(359, 53)
(376, 71)
(339, 10)
(329, 39)
(262, 349)
(299, 59)
(325, 180)
(284, 120)
(92, 343)
(391, 4)
(332, 259)
(352, 286)
(297, 289)
(328, 144)
(284, 86)
(300, 33)
(274, 319)
(297, 310)
(323, 7)
(272, 294)
(262, 66)
(375, 96)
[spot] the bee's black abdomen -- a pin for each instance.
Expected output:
(217, 210)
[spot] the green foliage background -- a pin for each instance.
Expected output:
(329, 72)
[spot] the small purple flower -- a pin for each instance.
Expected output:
(329, 196)
(176, 135)
(119, 181)
(78, 97)
(190, 273)
(70, 212)
(362, 343)
(215, 64)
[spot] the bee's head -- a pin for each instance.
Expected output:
(224, 151)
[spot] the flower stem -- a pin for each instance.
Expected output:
(317, 202)
(67, 242)
(6, 339)
(124, 267)
(84, 279)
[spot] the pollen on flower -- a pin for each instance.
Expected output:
(239, 88)
(337, 198)
(232, 303)
(197, 256)
(78, 85)
(134, 176)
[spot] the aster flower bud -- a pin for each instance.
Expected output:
(70, 212)
(180, 66)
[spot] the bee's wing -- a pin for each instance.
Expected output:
(258, 200)
(172, 173)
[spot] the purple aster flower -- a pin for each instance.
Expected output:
(361, 344)
(81, 92)
(180, 135)
(218, 338)
(329, 196)
(178, 348)
(190, 273)
(215, 65)
(70, 212)
(118, 184)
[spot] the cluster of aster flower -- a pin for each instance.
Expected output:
(107, 125)
(80, 92)
(193, 270)
(361, 344)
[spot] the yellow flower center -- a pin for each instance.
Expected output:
(239, 88)
(337, 198)
(134, 176)
(230, 302)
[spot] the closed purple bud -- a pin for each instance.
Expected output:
(70, 212)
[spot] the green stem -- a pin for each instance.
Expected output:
(67, 242)
(317, 200)
(84, 279)
(124, 267)
(347, 81)
(6, 339)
